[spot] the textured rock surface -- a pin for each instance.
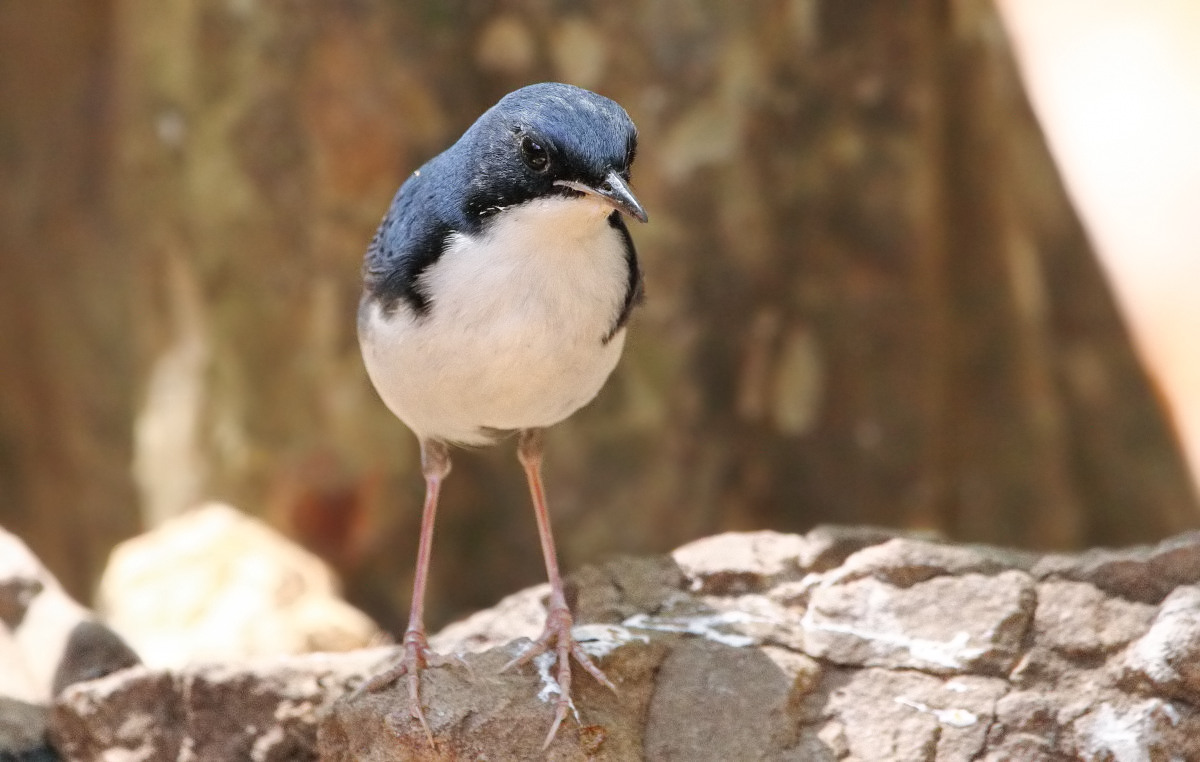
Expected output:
(837, 645)
(261, 711)
(216, 584)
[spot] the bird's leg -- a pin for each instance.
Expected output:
(435, 465)
(557, 633)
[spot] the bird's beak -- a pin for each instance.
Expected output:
(613, 190)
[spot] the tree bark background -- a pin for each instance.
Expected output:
(868, 298)
(67, 363)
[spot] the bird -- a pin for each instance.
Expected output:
(497, 292)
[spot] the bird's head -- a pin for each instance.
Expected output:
(550, 140)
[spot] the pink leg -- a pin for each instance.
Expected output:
(435, 465)
(557, 633)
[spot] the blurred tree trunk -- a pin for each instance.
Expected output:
(868, 301)
(66, 360)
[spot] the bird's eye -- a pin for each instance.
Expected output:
(534, 154)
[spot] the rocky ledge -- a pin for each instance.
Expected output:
(842, 644)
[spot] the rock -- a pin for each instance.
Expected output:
(1100, 724)
(251, 710)
(485, 714)
(1167, 657)
(215, 584)
(756, 647)
(904, 561)
(47, 642)
(1146, 573)
(867, 622)
(1078, 619)
(1127, 729)
(876, 714)
(23, 731)
(734, 562)
(689, 718)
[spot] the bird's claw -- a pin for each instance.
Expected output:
(456, 658)
(557, 636)
(416, 657)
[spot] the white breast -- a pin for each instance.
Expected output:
(514, 335)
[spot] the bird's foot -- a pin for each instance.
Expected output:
(416, 657)
(557, 639)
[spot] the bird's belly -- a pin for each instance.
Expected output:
(456, 382)
(515, 335)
